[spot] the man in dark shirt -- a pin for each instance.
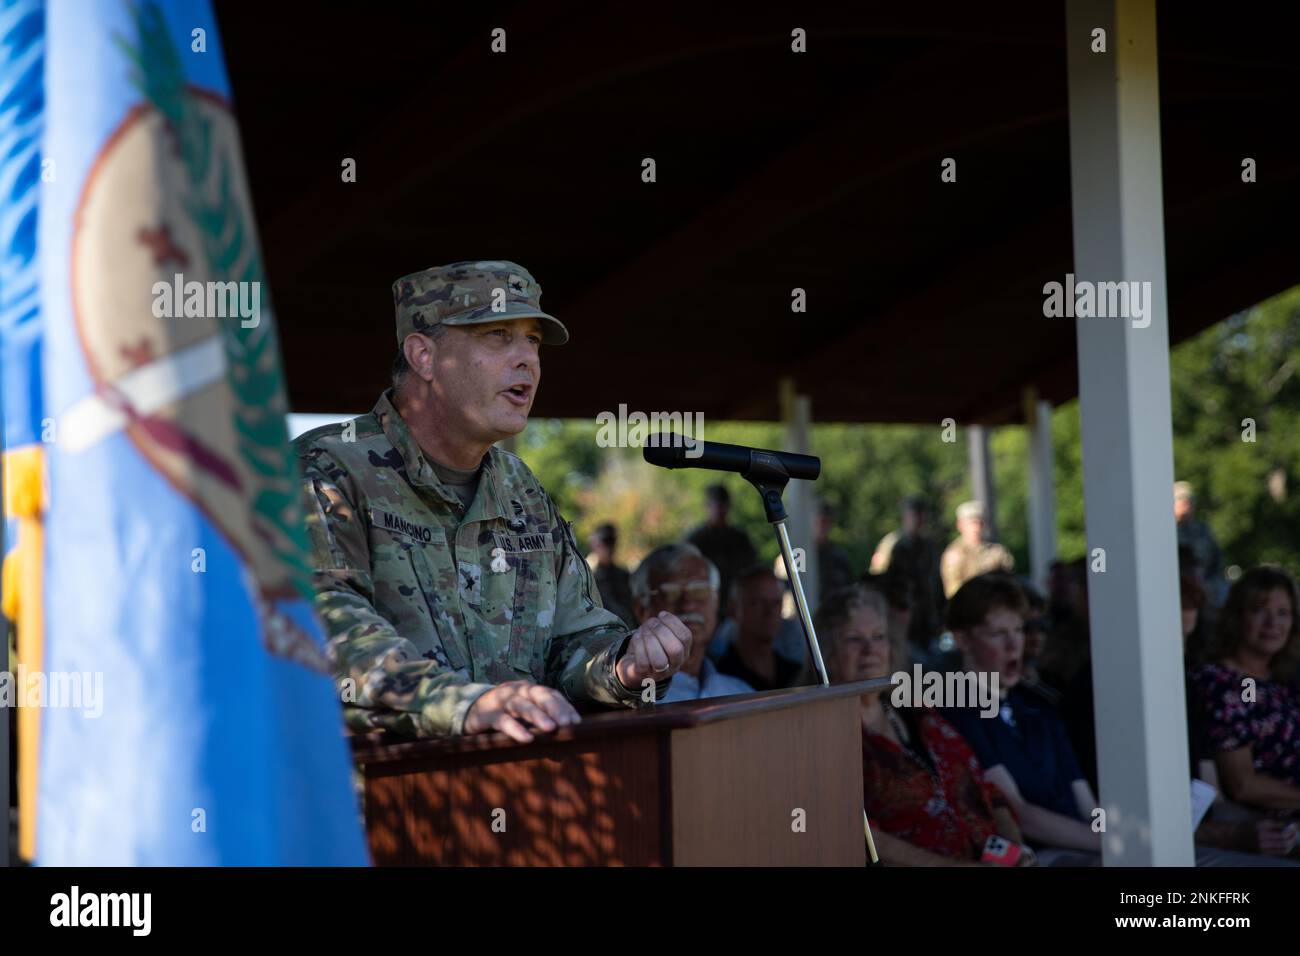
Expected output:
(727, 547)
(1029, 740)
(756, 607)
(612, 580)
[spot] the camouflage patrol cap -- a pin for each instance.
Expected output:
(465, 293)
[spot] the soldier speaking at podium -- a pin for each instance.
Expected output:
(452, 591)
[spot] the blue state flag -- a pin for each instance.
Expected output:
(22, 90)
(178, 597)
(22, 106)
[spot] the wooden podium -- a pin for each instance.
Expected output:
(716, 782)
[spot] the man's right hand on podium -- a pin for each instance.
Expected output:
(515, 706)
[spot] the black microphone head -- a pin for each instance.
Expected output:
(665, 455)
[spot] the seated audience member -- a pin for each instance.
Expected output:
(1193, 599)
(790, 641)
(1038, 625)
(1058, 587)
(923, 789)
(1273, 838)
(1025, 748)
(1077, 705)
(1256, 834)
(1065, 648)
(679, 579)
(756, 608)
(1251, 712)
(1198, 645)
(897, 592)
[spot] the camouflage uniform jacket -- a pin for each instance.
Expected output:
(961, 562)
(416, 614)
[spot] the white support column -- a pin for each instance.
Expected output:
(796, 415)
(1127, 437)
(981, 476)
(1042, 487)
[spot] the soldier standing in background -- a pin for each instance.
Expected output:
(970, 555)
(613, 580)
(725, 545)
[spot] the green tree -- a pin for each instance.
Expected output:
(1242, 371)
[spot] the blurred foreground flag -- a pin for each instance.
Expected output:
(178, 599)
(22, 91)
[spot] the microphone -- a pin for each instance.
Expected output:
(673, 451)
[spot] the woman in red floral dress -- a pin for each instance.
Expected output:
(923, 788)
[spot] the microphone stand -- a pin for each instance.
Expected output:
(770, 478)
